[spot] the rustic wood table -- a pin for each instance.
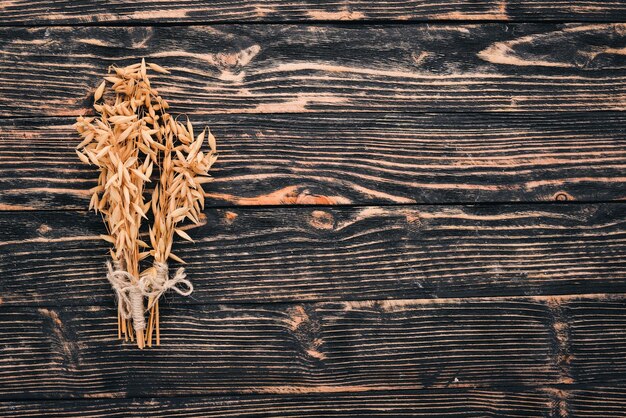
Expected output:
(418, 210)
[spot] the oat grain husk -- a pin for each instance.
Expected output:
(151, 172)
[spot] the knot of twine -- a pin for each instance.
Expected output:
(129, 295)
(153, 286)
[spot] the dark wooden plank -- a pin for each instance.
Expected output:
(436, 403)
(295, 68)
(260, 255)
(586, 402)
(314, 348)
(591, 349)
(84, 11)
(353, 159)
(598, 402)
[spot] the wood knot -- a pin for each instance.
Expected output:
(413, 219)
(306, 331)
(297, 316)
(62, 341)
(237, 59)
(229, 217)
(140, 36)
(44, 229)
(322, 220)
(562, 196)
(419, 58)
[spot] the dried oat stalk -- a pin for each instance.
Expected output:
(130, 136)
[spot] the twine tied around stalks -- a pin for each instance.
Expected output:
(153, 286)
(130, 295)
(133, 140)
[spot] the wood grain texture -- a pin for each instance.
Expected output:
(583, 402)
(291, 68)
(447, 403)
(83, 11)
(299, 254)
(337, 159)
(598, 402)
(316, 348)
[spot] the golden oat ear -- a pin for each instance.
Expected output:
(126, 140)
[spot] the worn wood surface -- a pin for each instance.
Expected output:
(418, 218)
(442, 403)
(340, 159)
(296, 68)
(298, 254)
(317, 348)
(604, 401)
(28, 12)
(588, 401)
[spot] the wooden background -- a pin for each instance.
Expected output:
(418, 210)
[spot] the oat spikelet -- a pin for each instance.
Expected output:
(130, 136)
(179, 196)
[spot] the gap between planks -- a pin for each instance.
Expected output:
(8, 209)
(383, 303)
(346, 23)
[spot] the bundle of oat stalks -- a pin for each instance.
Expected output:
(133, 141)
